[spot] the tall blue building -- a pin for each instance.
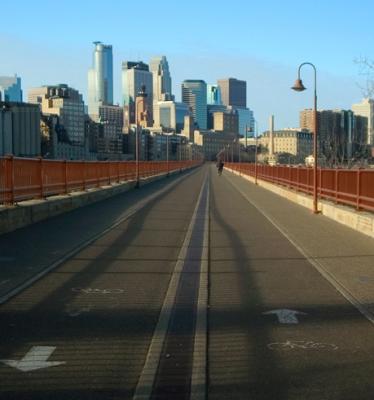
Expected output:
(213, 95)
(194, 95)
(10, 88)
(100, 78)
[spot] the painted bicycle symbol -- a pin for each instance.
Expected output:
(97, 291)
(301, 344)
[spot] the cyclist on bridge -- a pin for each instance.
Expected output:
(220, 165)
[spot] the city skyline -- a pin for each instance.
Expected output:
(261, 49)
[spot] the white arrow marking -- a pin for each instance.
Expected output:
(36, 358)
(6, 259)
(286, 316)
(76, 312)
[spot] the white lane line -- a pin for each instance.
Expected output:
(131, 211)
(199, 361)
(147, 377)
(345, 292)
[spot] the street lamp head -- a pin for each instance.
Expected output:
(298, 86)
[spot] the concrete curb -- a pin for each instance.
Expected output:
(360, 221)
(31, 211)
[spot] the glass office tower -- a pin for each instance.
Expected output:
(213, 95)
(135, 75)
(100, 78)
(194, 95)
(10, 88)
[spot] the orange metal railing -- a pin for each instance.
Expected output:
(353, 187)
(30, 178)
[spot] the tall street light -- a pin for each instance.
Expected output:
(239, 153)
(299, 87)
(137, 144)
(256, 133)
(137, 156)
(167, 151)
(167, 154)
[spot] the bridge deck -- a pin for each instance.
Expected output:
(196, 287)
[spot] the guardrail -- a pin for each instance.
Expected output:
(29, 178)
(353, 187)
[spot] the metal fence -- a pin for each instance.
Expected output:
(353, 187)
(30, 178)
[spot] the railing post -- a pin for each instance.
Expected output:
(97, 174)
(307, 180)
(118, 171)
(358, 191)
(84, 175)
(10, 173)
(66, 176)
(41, 173)
(297, 178)
(108, 169)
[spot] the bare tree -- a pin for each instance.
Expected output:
(366, 70)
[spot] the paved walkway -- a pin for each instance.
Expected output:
(278, 328)
(195, 287)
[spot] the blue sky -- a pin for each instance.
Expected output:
(262, 42)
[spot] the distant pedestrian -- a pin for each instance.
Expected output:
(220, 165)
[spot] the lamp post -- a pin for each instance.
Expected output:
(299, 87)
(167, 153)
(256, 134)
(137, 143)
(180, 153)
(137, 155)
(239, 155)
(3, 138)
(180, 148)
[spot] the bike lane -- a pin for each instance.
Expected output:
(277, 328)
(83, 331)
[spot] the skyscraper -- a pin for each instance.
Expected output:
(366, 109)
(170, 115)
(233, 92)
(213, 95)
(246, 120)
(19, 129)
(65, 102)
(194, 95)
(161, 79)
(10, 88)
(341, 134)
(135, 75)
(100, 78)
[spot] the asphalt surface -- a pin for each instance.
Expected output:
(328, 353)
(280, 325)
